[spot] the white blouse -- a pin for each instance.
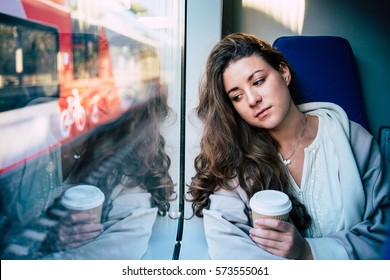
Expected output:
(320, 192)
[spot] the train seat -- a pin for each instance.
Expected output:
(325, 70)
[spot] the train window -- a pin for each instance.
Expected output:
(85, 55)
(90, 104)
(85, 50)
(28, 67)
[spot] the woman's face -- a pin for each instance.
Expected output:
(258, 92)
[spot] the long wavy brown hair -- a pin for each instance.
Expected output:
(231, 149)
(131, 147)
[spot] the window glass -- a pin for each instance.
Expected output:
(28, 67)
(85, 55)
(89, 118)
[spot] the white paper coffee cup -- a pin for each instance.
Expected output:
(84, 198)
(270, 204)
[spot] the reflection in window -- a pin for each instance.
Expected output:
(28, 65)
(125, 159)
(85, 51)
(107, 127)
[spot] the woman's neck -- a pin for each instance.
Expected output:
(290, 130)
(71, 154)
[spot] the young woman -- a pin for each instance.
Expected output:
(256, 137)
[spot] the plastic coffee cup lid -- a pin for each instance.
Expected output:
(270, 203)
(82, 197)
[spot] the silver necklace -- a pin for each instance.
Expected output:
(287, 161)
(77, 156)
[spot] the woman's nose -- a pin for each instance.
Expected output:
(253, 98)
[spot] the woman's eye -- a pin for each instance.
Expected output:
(236, 97)
(258, 82)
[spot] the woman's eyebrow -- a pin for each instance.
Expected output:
(231, 90)
(251, 76)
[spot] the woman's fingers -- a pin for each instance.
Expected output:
(78, 228)
(79, 217)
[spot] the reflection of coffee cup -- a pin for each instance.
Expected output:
(84, 198)
(270, 204)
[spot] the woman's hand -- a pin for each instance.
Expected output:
(72, 230)
(280, 238)
(77, 229)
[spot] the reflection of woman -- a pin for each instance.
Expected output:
(256, 138)
(126, 160)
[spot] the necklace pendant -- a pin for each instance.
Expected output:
(76, 156)
(286, 161)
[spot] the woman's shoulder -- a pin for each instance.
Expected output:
(363, 143)
(358, 131)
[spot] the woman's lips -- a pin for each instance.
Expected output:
(263, 113)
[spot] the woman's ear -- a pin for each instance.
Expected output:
(286, 73)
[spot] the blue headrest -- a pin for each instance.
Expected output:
(325, 70)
